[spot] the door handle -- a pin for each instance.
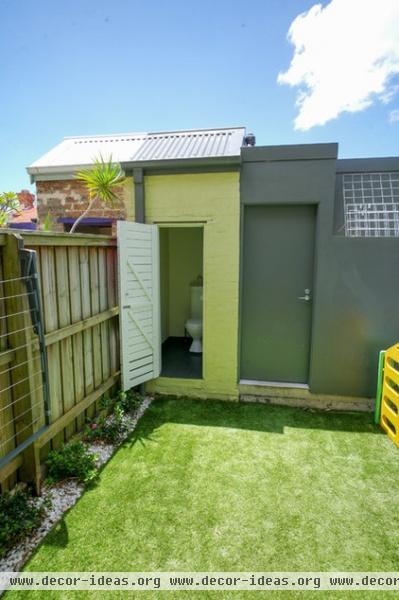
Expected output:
(127, 306)
(306, 297)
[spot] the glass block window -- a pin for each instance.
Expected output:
(371, 204)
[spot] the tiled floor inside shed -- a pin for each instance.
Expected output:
(178, 361)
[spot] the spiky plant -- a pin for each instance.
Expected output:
(48, 222)
(9, 204)
(100, 182)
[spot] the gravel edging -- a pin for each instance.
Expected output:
(64, 495)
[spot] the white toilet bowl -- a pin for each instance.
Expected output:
(194, 329)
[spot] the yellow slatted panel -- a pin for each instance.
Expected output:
(391, 375)
(394, 352)
(389, 420)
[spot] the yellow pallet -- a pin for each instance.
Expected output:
(389, 419)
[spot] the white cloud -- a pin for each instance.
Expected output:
(345, 57)
(394, 116)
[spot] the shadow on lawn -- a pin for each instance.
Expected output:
(58, 537)
(255, 417)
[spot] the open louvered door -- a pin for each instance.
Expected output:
(139, 302)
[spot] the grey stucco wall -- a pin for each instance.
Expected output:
(356, 282)
(357, 296)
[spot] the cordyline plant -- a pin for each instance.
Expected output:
(100, 181)
(9, 204)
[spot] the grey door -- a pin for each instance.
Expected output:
(276, 310)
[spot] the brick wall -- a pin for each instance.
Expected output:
(69, 198)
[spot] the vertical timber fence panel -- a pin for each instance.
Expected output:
(23, 392)
(78, 287)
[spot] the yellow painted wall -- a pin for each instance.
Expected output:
(128, 198)
(211, 199)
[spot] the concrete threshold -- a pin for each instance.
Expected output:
(300, 396)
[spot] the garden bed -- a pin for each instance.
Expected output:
(61, 496)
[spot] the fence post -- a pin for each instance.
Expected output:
(23, 341)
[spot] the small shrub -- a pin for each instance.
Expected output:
(94, 429)
(72, 461)
(101, 428)
(19, 515)
(106, 402)
(129, 400)
(118, 415)
(109, 429)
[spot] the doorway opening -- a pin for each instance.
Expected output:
(181, 270)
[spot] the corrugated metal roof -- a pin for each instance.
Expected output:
(75, 152)
(191, 144)
(79, 151)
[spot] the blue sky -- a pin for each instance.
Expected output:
(91, 67)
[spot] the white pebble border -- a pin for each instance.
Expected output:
(64, 495)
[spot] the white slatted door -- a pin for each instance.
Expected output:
(139, 302)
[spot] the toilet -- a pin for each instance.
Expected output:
(194, 324)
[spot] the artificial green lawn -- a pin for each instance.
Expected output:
(206, 485)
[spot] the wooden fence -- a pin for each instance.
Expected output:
(78, 288)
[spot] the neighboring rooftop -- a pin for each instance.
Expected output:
(26, 217)
(191, 145)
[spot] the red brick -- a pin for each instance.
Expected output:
(75, 199)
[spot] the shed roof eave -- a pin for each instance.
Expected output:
(54, 173)
(68, 171)
(181, 163)
(290, 152)
(56, 169)
(368, 164)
